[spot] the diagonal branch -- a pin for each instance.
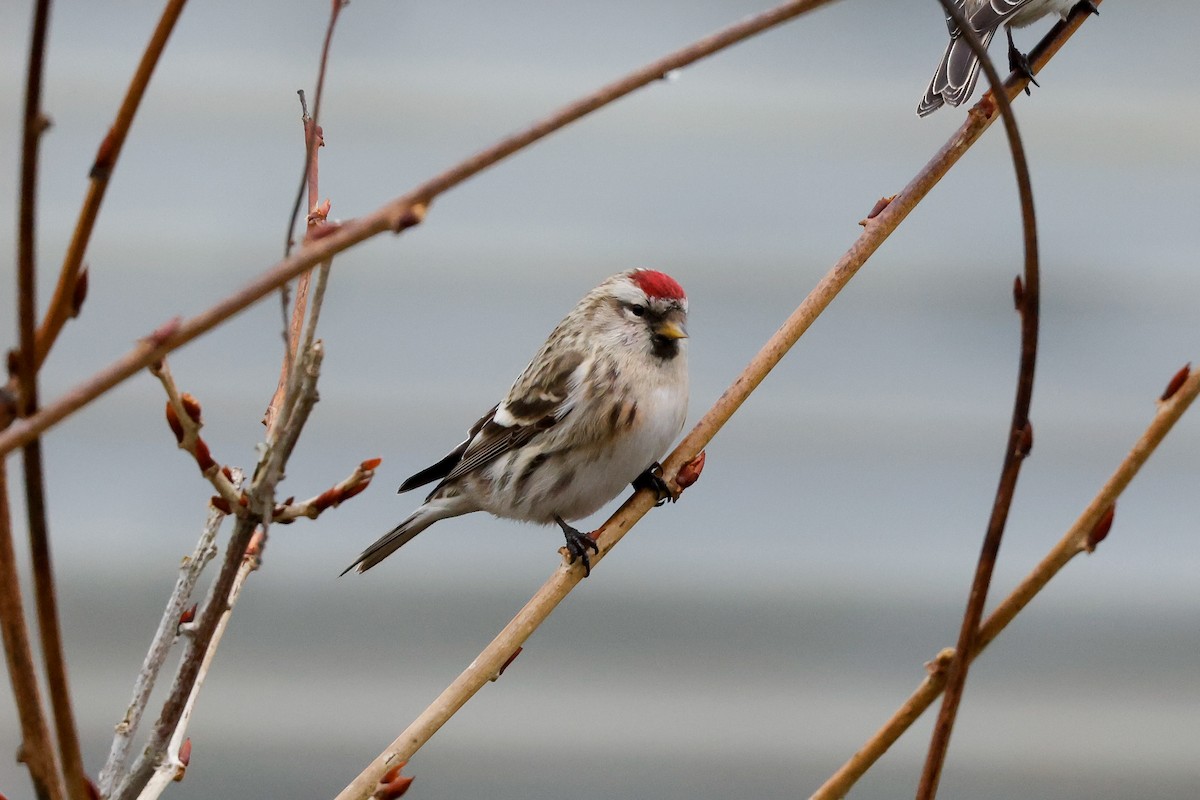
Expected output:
(1081, 537)
(396, 216)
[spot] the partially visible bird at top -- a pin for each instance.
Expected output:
(595, 410)
(954, 80)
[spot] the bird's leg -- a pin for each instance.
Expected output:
(652, 479)
(1089, 7)
(578, 543)
(1018, 62)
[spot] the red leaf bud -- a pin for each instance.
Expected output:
(1101, 529)
(191, 407)
(1176, 382)
(173, 422)
(203, 458)
(79, 294)
(689, 473)
(392, 784)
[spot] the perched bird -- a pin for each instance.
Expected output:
(954, 80)
(595, 409)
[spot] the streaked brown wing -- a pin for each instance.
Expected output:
(535, 404)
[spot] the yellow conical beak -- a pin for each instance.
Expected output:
(670, 330)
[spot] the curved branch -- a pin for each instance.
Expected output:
(1020, 434)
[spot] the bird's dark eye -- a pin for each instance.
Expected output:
(638, 310)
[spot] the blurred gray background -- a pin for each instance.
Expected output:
(746, 641)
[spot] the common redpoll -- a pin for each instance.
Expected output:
(954, 80)
(594, 411)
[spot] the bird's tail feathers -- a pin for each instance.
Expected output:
(954, 80)
(403, 533)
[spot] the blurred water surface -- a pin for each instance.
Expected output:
(747, 640)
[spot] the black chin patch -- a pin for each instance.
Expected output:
(664, 347)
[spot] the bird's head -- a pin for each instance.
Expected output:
(649, 308)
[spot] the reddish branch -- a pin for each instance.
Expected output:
(356, 482)
(184, 417)
(395, 216)
(1020, 436)
(314, 139)
(45, 597)
(36, 749)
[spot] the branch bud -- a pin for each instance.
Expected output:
(877, 209)
(1103, 525)
(392, 784)
(1025, 440)
(185, 757)
(191, 407)
(1176, 382)
(689, 473)
(174, 423)
(79, 294)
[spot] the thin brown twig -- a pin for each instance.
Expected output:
(314, 139)
(310, 177)
(45, 596)
(1077, 539)
(185, 420)
(1020, 433)
(36, 751)
(340, 492)
(395, 216)
(311, 131)
(489, 662)
(61, 304)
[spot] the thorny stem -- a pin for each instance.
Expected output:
(1074, 542)
(401, 213)
(488, 663)
(160, 647)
